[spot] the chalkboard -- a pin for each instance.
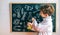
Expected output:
(22, 13)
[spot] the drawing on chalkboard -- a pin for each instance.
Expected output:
(20, 14)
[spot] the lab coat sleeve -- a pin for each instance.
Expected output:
(35, 23)
(43, 27)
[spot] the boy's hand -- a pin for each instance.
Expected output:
(29, 24)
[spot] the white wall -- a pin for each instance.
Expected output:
(5, 18)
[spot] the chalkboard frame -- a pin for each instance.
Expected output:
(10, 9)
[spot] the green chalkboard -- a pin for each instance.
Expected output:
(22, 13)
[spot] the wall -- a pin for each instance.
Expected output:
(5, 18)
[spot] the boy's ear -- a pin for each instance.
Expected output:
(46, 15)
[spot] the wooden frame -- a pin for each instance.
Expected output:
(10, 6)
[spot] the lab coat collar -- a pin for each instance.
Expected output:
(47, 18)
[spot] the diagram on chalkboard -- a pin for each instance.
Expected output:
(23, 13)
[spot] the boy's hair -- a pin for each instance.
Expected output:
(47, 9)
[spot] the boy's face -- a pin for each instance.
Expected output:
(43, 15)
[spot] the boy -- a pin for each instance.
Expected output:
(45, 27)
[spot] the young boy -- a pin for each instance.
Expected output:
(45, 27)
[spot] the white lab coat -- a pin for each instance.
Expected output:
(45, 26)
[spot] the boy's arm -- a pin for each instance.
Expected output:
(41, 27)
(34, 25)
